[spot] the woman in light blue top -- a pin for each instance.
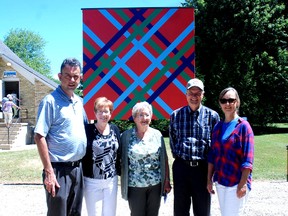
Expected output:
(144, 164)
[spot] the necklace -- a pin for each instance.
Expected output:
(104, 131)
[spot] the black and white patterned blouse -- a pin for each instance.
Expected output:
(101, 154)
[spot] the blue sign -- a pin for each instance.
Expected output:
(9, 74)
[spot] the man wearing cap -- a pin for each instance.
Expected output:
(190, 138)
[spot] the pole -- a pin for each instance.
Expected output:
(9, 136)
(287, 162)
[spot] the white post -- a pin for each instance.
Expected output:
(1, 96)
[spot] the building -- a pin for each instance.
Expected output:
(30, 87)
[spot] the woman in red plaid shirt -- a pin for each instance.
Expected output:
(231, 156)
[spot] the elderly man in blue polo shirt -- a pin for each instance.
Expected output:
(61, 141)
(190, 138)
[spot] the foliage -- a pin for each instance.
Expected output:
(159, 124)
(243, 44)
(162, 125)
(79, 89)
(123, 124)
(29, 47)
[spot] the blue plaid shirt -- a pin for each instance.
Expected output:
(190, 132)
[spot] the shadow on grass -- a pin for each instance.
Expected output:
(22, 183)
(258, 130)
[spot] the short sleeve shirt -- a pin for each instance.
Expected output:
(7, 107)
(61, 121)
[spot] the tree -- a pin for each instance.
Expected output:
(29, 47)
(243, 44)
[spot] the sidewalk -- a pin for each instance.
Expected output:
(266, 198)
(29, 200)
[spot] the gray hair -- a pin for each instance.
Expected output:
(73, 62)
(138, 107)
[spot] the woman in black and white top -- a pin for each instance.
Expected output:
(99, 164)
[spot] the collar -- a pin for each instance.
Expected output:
(64, 96)
(196, 111)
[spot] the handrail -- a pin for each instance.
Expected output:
(11, 126)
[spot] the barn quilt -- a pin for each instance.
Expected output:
(138, 54)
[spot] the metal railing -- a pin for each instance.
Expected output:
(287, 162)
(11, 128)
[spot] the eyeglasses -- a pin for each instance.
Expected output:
(194, 95)
(104, 112)
(229, 100)
(141, 115)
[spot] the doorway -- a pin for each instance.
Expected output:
(12, 87)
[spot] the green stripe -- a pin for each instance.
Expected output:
(171, 64)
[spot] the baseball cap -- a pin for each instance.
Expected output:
(195, 83)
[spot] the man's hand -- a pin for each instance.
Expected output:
(50, 182)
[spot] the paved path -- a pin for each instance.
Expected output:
(266, 198)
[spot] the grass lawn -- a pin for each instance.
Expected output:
(20, 166)
(270, 156)
(270, 161)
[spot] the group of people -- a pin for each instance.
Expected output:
(84, 160)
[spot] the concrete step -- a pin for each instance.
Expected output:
(5, 146)
(10, 138)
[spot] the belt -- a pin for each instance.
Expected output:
(191, 163)
(67, 164)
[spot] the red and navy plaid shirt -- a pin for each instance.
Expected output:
(230, 156)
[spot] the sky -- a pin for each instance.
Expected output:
(59, 22)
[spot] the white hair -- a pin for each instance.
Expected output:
(138, 107)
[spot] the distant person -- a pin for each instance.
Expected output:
(231, 156)
(4, 99)
(190, 139)
(61, 141)
(99, 163)
(7, 106)
(144, 164)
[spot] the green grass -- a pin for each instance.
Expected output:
(20, 166)
(279, 125)
(270, 161)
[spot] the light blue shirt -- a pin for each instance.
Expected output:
(61, 121)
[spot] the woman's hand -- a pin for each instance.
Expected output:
(241, 191)
(210, 187)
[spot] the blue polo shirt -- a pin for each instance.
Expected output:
(61, 121)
